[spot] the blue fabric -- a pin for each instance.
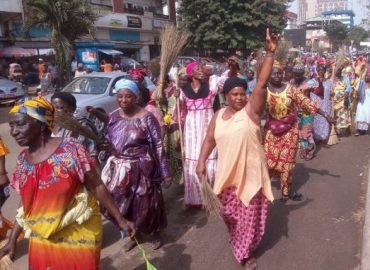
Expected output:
(127, 84)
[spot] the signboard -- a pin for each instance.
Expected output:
(160, 23)
(115, 23)
(89, 57)
(134, 22)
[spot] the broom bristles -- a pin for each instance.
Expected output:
(211, 203)
(5, 262)
(173, 41)
(333, 137)
(70, 123)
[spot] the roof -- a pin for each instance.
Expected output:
(111, 75)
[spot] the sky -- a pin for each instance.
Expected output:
(353, 4)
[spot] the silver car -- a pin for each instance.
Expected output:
(10, 91)
(95, 89)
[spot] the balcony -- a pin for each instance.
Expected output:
(10, 6)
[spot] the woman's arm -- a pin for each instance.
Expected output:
(93, 184)
(257, 103)
(208, 145)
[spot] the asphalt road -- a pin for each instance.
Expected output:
(322, 232)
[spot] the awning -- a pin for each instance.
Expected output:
(110, 51)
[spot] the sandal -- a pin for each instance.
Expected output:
(296, 196)
(157, 243)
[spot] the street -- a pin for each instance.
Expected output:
(322, 232)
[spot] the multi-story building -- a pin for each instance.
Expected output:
(129, 26)
(291, 18)
(306, 9)
(344, 16)
(330, 5)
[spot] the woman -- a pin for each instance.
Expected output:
(197, 99)
(242, 181)
(66, 103)
(363, 107)
(281, 137)
(4, 180)
(321, 96)
(137, 166)
(340, 98)
(45, 82)
(58, 188)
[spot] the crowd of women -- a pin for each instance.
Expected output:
(204, 128)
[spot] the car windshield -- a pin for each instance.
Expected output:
(88, 85)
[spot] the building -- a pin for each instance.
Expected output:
(131, 27)
(344, 16)
(330, 5)
(291, 19)
(306, 9)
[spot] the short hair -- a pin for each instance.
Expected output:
(67, 98)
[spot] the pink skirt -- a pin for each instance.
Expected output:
(246, 224)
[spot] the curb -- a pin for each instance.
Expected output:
(365, 254)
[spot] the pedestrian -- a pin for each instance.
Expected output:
(41, 68)
(281, 129)
(197, 101)
(251, 80)
(136, 166)
(80, 70)
(322, 96)
(363, 107)
(242, 180)
(59, 191)
(45, 82)
(106, 66)
(66, 103)
(307, 144)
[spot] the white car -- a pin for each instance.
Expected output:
(10, 91)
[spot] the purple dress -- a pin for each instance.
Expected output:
(135, 170)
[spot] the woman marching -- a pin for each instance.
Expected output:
(59, 189)
(281, 138)
(197, 100)
(136, 166)
(242, 182)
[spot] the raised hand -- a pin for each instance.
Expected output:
(272, 41)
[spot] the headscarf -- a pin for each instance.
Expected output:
(277, 64)
(189, 69)
(137, 73)
(233, 82)
(127, 84)
(299, 68)
(38, 108)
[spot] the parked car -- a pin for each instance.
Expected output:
(10, 91)
(95, 89)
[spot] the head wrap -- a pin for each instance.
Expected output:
(189, 69)
(298, 68)
(38, 108)
(137, 74)
(277, 64)
(233, 82)
(127, 84)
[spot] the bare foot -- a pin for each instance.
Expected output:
(251, 264)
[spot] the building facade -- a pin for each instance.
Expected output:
(330, 5)
(306, 9)
(130, 26)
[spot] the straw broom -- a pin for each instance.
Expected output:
(211, 203)
(71, 123)
(173, 41)
(333, 137)
(6, 263)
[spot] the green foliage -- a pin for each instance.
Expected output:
(67, 21)
(337, 33)
(357, 34)
(231, 24)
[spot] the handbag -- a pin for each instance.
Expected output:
(279, 127)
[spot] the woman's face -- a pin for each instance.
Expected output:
(276, 76)
(198, 73)
(237, 98)
(321, 71)
(24, 129)
(126, 99)
(61, 106)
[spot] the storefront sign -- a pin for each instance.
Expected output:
(134, 22)
(115, 23)
(160, 23)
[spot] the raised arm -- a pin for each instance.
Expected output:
(257, 102)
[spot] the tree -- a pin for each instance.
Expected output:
(357, 34)
(337, 32)
(67, 20)
(231, 24)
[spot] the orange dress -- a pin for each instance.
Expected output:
(3, 148)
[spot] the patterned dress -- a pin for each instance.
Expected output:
(281, 150)
(199, 113)
(135, 170)
(48, 190)
(321, 126)
(3, 148)
(342, 113)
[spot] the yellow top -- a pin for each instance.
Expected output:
(241, 159)
(3, 149)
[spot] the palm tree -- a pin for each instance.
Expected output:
(67, 20)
